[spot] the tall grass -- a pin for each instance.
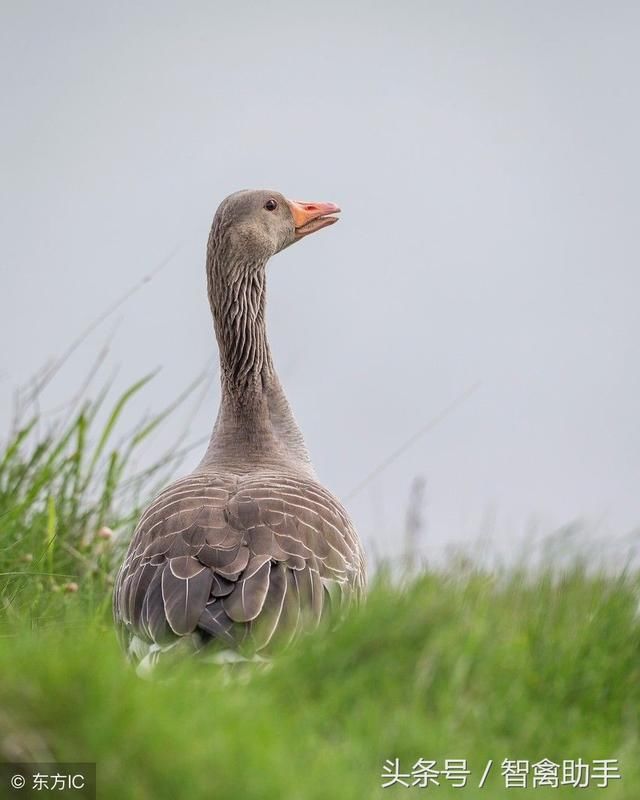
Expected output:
(458, 663)
(69, 496)
(469, 667)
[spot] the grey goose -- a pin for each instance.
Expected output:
(249, 548)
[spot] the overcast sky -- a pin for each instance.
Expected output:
(485, 156)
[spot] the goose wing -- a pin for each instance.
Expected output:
(236, 560)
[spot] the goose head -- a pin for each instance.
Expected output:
(253, 225)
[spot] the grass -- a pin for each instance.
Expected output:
(65, 492)
(457, 663)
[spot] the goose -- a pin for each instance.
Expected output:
(249, 549)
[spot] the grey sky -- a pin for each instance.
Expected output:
(486, 159)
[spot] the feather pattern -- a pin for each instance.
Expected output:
(234, 558)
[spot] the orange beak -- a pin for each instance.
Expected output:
(311, 217)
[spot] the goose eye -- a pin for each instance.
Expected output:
(271, 204)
